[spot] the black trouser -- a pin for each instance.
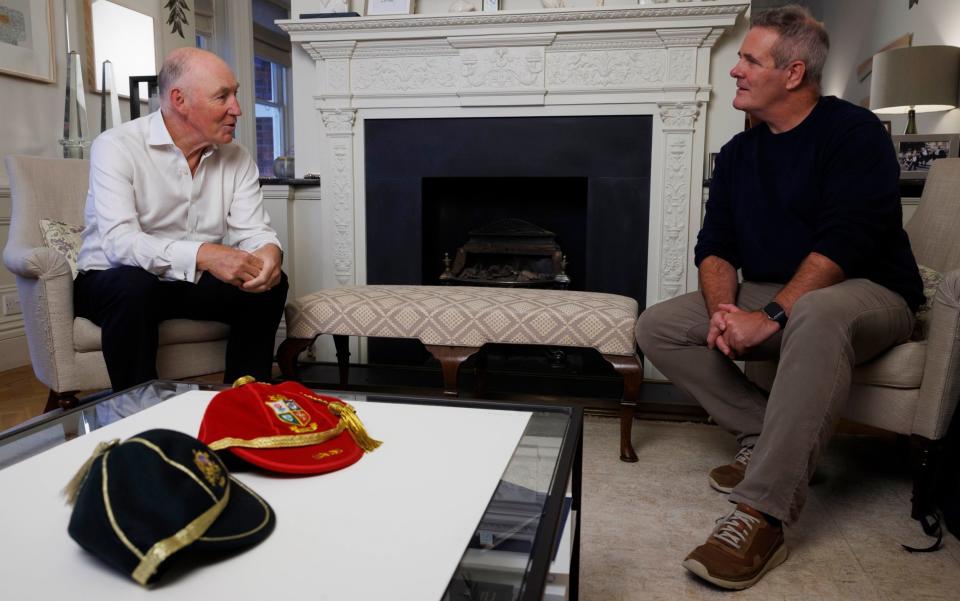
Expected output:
(129, 303)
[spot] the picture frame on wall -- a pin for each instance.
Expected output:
(387, 7)
(27, 45)
(917, 152)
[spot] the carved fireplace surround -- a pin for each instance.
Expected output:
(645, 60)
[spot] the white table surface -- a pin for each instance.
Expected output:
(393, 526)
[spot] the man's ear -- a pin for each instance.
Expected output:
(795, 74)
(177, 100)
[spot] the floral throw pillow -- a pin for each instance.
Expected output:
(931, 280)
(63, 237)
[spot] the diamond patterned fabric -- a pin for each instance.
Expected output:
(469, 316)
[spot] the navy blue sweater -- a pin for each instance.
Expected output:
(829, 185)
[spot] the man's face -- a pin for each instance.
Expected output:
(760, 83)
(211, 101)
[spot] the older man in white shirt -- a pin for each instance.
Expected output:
(175, 228)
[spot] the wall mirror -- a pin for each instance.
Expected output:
(123, 32)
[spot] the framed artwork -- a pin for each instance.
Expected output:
(387, 7)
(27, 46)
(917, 152)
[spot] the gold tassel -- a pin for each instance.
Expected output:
(242, 380)
(72, 489)
(354, 426)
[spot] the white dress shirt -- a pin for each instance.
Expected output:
(144, 208)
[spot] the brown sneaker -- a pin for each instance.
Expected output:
(742, 548)
(726, 477)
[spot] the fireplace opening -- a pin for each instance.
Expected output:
(455, 207)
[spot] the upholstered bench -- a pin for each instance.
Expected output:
(453, 322)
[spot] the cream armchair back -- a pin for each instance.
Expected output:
(913, 388)
(64, 349)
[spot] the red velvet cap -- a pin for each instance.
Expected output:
(285, 428)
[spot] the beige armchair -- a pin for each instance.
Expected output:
(913, 388)
(64, 349)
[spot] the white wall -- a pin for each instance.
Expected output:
(859, 28)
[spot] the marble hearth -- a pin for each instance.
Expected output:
(651, 60)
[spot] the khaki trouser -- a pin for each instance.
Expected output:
(829, 331)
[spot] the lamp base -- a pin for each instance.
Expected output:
(911, 122)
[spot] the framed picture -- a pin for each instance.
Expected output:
(888, 126)
(917, 152)
(27, 46)
(386, 7)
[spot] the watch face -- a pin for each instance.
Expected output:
(775, 312)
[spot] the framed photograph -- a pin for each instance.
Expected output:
(888, 126)
(27, 46)
(386, 7)
(917, 152)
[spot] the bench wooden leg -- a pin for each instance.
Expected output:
(630, 368)
(342, 342)
(450, 358)
(287, 355)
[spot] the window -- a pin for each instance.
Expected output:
(203, 19)
(270, 80)
(271, 73)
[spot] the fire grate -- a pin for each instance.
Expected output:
(510, 253)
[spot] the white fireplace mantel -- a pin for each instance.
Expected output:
(645, 60)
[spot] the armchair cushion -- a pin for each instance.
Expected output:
(86, 334)
(64, 238)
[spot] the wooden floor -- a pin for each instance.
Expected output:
(22, 396)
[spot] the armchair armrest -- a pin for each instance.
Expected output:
(36, 262)
(45, 287)
(940, 387)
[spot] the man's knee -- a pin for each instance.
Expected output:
(825, 308)
(666, 321)
(644, 330)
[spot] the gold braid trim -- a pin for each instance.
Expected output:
(348, 416)
(163, 549)
(278, 442)
(72, 489)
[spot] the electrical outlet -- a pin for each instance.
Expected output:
(11, 304)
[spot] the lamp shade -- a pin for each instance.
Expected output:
(919, 78)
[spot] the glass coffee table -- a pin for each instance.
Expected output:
(526, 545)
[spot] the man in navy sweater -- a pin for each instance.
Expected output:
(806, 205)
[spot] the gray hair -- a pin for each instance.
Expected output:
(802, 38)
(174, 67)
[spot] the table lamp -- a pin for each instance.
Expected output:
(916, 79)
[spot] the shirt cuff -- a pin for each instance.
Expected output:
(183, 266)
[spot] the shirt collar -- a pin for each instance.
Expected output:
(160, 136)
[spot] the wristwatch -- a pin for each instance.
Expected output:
(775, 312)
